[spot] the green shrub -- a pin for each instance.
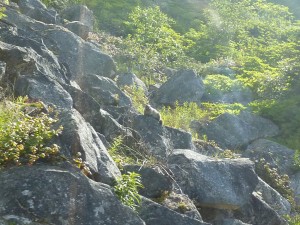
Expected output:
(297, 159)
(293, 220)
(127, 187)
(23, 138)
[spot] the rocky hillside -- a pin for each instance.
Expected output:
(47, 57)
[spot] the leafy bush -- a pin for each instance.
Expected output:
(23, 138)
(127, 189)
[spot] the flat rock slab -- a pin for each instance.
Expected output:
(216, 183)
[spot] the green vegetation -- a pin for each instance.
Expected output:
(293, 220)
(138, 97)
(126, 189)
(24, 139)
(279, 182)
(182, 115)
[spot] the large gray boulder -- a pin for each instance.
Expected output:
(217, 183)
(155, 214)
(160, 140)
(33, 75)
(104, 90)
(278, 156)
(237, 131)
(59, 195)
(273, 198)
(184, 86)
(79, 13)
(79, 136)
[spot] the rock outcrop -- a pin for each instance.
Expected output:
(46, 55)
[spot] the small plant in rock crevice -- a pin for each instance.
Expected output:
(126, 189)
(279, 182)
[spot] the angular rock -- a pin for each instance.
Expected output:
(79, 13)
(180, 139)
(278, 156)
(207, 148)
(155, 214)
(159, 139)
(182, 204)
(244, 128)
(183, 87)
(224, 184)
(59, 195)
(48, 91)
(79, 136)
(130, 79)
(273, 198)
(78, 28)
(258, 212)
(84, 58)
(38, 11)
(104, 90)
(155, 181)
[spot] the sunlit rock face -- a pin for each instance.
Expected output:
(237, 131)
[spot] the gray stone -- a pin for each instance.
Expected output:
(185, 86)
(258, 212)
(79, 136)
(59, 195)
(273, 198)
(79, 13)
(278, 156)
(182, 204)
(130, 79)
(78, 28)
(104, 90)
(237, 131)
(155, 214)
(216, 183)
(155, 181)
(44, 89)
(84, 58)
(161, 140)
(38, 11)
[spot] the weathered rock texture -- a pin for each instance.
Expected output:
(185, 86)
(237, 131)
(212, 182)
(59, 195)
